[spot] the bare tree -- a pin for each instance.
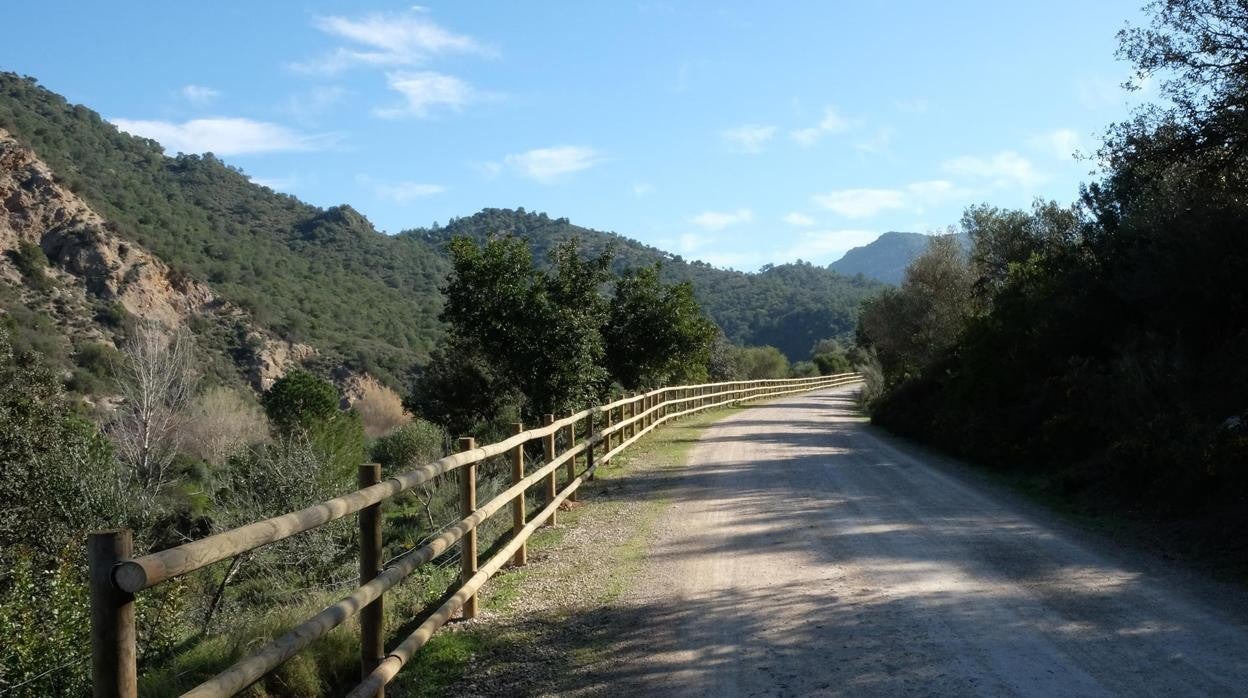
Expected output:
(221, 422)
(156, 379)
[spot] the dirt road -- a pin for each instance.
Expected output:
(805, 553)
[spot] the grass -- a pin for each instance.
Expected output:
(442, 664)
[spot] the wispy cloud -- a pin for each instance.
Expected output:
(548, 164)
(880, 141)
(832, 122)
(223, 136)
(199, 95)
(400, 192)
(716, 220)
(422, 91)
(311, 103)
(915, 197)
(826, 245)
(860, 203)
(641, 189)
(798, 219)
(1005, 168)
(1061, 143)
(387, 39)
(749, 138)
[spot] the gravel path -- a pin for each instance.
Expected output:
(806, 553)
(803, 552)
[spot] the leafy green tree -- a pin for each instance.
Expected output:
(299, 400)
(301, 405)
(912, 326)
(530, 333)
(655, 333)
(762, 362)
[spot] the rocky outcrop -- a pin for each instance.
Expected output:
(90, 261)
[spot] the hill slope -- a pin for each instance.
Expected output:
(326, 278)
(790, 306)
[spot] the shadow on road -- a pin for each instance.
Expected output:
(807, 555)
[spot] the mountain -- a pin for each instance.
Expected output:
(268, 281)
(883, 259)
(789, 306)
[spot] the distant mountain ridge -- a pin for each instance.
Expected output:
(886, 258)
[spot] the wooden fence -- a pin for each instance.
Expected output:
(115, 576)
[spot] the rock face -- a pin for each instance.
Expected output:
(91, 262)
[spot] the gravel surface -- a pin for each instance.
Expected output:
(803, 552)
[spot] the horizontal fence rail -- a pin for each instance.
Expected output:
(115, 576)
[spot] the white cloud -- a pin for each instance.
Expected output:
(715, 220)
(832, 122)
(1061, 143)
(749, 138)
(387, 39)
(827, 245)
(198, 94)
(643, 189)
(400, 192)
(1004, 169)
(548, 164)
(222, 136)
(424, 90)
(799, 219)
(315, 101)
(860, 203)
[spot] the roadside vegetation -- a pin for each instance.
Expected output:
(1099, 349)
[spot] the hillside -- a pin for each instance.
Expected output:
(321, 277)
(325, 278)
(789, 306)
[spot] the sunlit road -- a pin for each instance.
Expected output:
(807, 553)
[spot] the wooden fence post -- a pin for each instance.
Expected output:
(548, 451)
(589, 445)
(571, 466)
(372, 631)
(468, 544)
(521, 557)
(114, 655)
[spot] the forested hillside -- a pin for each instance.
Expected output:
(789, 306)
(327, 278)
(323, 277)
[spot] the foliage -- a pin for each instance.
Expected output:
(756, 363)
(32, 263)
(324, 277)
(520, 332)
(911, 326)
(788, 305)
(299, 400)
(655, 333)
(415, 443)
(380, 409)
(301, 405)
(1107, 356)
(221, 422)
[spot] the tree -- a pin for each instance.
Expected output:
(655, 333)
(156, 380)
(911, 326)
(1199, 48)
(299, 400)
(220, 422)
(304, 407)
(535, 334)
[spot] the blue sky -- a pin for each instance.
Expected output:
(738, 133)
